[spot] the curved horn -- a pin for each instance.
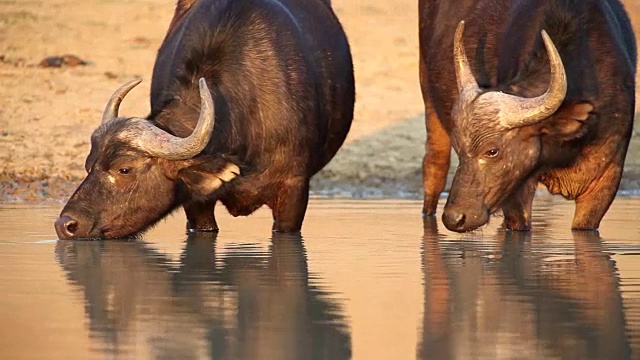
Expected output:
(517, 111)
(466, 80)
(158, 142)
(111, 109)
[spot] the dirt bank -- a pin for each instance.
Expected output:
(48, 114)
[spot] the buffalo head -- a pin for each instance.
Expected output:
(138, 173)
(497, 137)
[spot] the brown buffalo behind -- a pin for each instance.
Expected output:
(537, 91)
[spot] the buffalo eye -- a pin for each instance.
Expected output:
(491, 153)
(124, 171)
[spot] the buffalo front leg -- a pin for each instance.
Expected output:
(291, 205)
(517, 208)
(592, 204)
(201, 216)
(435, 165)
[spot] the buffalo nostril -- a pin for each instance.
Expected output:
(71, 227)
(66, 227)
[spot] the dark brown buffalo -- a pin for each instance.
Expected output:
(273, 105)
(537, 91)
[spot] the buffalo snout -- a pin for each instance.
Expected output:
(70, 226)
(459, 219)
(454, 220)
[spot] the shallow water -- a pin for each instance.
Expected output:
(367, 280)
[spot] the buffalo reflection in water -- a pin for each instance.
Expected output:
(515, 304)
(245, 305)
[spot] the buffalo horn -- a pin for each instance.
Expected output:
(466, 80)
(517, 111)
(159, 143)
(111, 109)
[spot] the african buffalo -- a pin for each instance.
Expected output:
(525, 92)
(249, 99)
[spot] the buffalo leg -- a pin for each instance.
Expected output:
(201, 217)
(595, 201)
(517, 207)
(291, 205)
(435, 165)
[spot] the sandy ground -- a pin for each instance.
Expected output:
(48, 114)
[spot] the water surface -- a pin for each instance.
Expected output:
(365, 280)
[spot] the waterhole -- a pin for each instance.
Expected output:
(366, 279)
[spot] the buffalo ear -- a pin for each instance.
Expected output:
(569, 121)
(208, 174)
